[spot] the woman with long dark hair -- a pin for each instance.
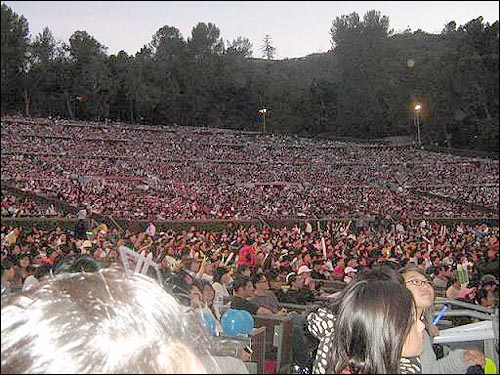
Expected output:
(376, 325)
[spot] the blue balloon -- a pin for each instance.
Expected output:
(235, 322)
(209, 322)
(247, 321)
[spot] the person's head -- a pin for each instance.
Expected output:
(24, 261)
(487, 292)
(350, 274)
(304, 272)
(196, 293)
(272, 278)
(207, 292)
(73, 264)
(492, 252)
(376, 325)
(186, 277)
(223, 276)
(244, 270)
(260, 282)
(243, 287)
(8, 270)
(194, 264)
(420, 286)
(107, 321)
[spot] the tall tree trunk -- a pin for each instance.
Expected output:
(131, 111)
(68, 105)
(27, 102)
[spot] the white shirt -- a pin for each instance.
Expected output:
(220, 292)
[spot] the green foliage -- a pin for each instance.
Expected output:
(364, 88)
(240, 47)
(13, 57)
(268, 50)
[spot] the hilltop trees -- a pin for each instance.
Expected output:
(240, 47)
(14, 55)
(268, 50)
(363, 88)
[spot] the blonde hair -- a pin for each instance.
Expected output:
(107, 321)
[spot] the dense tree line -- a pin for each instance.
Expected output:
(366, 86)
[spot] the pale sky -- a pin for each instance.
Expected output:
(297, 28)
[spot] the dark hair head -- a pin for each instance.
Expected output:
(198, 284)
(242, 268)
(72, 264)
(381, 272)
(256, 277)
(427, 314)
(272, 274)
(374, 318)
(412, 268)
(291, 278)
(175, 284)
(7, 264)
(42, 270)
(240, 282)
(218, 273)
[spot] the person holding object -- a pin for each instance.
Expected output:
(458, 360)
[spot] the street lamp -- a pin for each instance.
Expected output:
(263, 112)
(416, 121)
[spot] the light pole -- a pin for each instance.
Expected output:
(418, 107)
(263, 112)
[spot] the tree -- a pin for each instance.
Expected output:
(43, 48)
(14, 53)
(91, 90)
(205, 41)
(170, 58)
(42, 77)
(240, 47)
(205, 48)
(268, 50)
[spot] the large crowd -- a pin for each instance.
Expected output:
(172, 173)
(389, 200)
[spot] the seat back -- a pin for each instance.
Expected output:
(279, 336)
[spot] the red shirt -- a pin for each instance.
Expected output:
(242, 255)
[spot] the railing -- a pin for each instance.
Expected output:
(483, 333)
(465, 305)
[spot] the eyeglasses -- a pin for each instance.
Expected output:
(417, 282)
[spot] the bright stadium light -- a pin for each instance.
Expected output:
(418, 107)
(263, 112)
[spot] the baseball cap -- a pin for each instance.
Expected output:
(303, 268)
(349, 270)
